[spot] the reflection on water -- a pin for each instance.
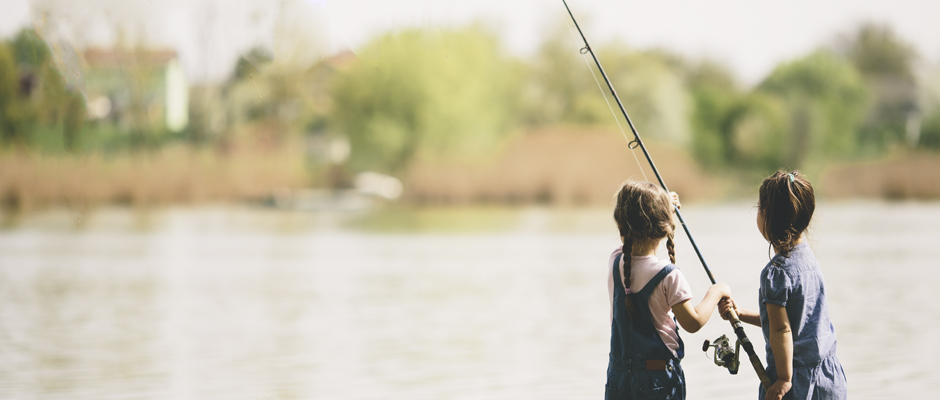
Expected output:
(245, 304)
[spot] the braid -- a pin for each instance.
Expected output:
(644, 216)
(627, 270)
(671, 247)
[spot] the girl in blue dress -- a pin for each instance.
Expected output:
(793, 311)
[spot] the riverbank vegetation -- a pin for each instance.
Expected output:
(460, 121)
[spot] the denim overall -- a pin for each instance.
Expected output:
(641, 366)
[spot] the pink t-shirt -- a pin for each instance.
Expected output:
(673, 289)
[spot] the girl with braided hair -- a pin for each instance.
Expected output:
(648, 295)
(793, 313)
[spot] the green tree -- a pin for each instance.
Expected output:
(886, 62)
(757, 132)
(13, 113)
(24, 64)
(37, 108)
(930, 131)
(929, 102)
(652, 87)
(714, 96)
(73, 119)
(558, 87)
(444, 93)
(30, 49)
(740, 130)
(561, 89)
(825, 99)
(249, 64)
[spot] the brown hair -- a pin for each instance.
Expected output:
(787, 203)
(643, 213)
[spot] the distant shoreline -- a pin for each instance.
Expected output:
(556, 167)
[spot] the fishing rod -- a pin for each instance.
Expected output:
(727, 358)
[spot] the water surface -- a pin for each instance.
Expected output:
(237, 303)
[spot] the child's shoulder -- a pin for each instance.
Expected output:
(800, 257)
(617, 251)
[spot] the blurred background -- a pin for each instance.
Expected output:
(320, 199)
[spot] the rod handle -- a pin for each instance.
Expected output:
(749, 349)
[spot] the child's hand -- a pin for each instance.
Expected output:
(723, 289)
(778, 389)
(727, 304)
(675, 199)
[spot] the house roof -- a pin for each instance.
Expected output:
(342, 60)
(100, 57)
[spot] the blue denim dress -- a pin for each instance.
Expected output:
(640, 365)
(796, 282)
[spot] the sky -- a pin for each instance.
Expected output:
(749, 36)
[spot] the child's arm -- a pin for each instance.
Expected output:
(692, 319)
(747, 316)
(781, 343)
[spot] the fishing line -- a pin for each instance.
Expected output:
(256, 86)
(638, 142)
(611, 108)
(736, 323)
(613, 113)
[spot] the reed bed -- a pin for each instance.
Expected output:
(560, 167)
(170, 176)
(902, 175)
(556, 167)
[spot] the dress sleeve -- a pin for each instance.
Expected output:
(775, 286)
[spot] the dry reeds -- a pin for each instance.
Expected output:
(563, 167)
(903, 175)
(559, 167)
(170, 175)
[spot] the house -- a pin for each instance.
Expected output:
(136, 89)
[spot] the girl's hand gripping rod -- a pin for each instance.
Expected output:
(748, 348)
(637, 142)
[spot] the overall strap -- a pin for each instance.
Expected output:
(648, 290)
(654, 281)
(618, 282)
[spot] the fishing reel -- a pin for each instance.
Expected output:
(725, 356)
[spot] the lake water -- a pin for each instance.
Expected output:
(239, 303)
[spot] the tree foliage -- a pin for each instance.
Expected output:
(738, 129)
(886, 62)
(444, 93)
(36, 106)
(560, 88)
(13, 115)
(825, 100)
(714, 96)
(455, 93)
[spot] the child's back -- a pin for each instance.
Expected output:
(641, 364)
(672, 290)
(795, 281)
(792, 310)
(645, 347)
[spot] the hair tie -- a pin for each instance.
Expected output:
(790, 175)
